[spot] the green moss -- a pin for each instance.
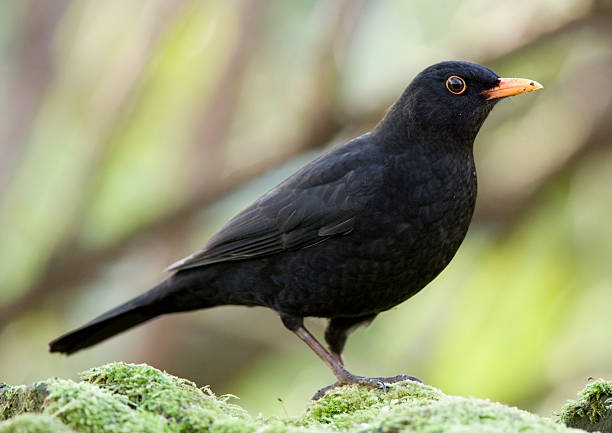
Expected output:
(137, 398)
(20, 399)
(128, 398)
(355, 401)
(87, 408)
(34, 423)
(181, 402)
(593, 410)
(414, 407)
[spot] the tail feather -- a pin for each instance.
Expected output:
(149, 305)
(100, 329)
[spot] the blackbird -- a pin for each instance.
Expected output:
(353, 233)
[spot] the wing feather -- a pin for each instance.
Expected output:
(320, 201)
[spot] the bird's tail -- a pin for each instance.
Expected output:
(159, 300)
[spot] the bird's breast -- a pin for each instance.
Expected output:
(428, 205)
(412, 229)
(403, 238)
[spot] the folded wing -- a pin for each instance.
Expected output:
(320, 201)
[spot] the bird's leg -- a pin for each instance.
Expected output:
(338, 357)
(342, 374)
(338, 331)
(296, 325)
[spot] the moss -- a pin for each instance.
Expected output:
(128, 398)
(34, 423)
(414, 407)
(87, 408)
(19, 399)
(593, 410)
(354, 401)
(181, 402)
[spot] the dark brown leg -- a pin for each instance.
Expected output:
(342, 374)
(338, 357)
(344, 377)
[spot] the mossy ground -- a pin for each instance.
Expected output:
(593, 410)
(137, 398)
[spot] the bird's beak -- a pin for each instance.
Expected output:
(510, 87)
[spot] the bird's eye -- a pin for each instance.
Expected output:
(455, 85)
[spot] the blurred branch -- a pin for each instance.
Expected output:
(215, 116)
(112, 112)
(597, 19)
(116, 111)
(599, 139)
(28, 82)
(580, 90)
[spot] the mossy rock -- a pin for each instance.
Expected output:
(593, 410)
(137, 398)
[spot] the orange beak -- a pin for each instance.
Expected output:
(511, 87)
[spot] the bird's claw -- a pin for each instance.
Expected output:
(374, 382)
(399, 378)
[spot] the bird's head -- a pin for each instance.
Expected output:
(449, 101)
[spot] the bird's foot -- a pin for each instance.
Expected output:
(398, 378)
(374, 382)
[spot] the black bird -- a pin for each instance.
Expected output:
(350, 235)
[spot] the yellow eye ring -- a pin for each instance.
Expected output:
(455, 85)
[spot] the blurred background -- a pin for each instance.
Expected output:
(130, 131)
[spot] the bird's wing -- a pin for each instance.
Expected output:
(319, 201)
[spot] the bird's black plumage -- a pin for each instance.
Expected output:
(353, 233)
